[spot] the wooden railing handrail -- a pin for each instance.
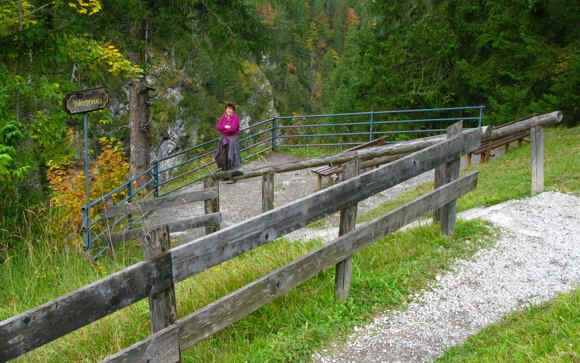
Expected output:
(58, 317)
(160, 203)
(546, 119)
(405, 147)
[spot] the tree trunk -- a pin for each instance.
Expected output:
(140, 141)
(139, 126)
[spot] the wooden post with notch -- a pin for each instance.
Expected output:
(347, 223)
(267, 192)
(537, 151)
(162, 304)
(212, 205)
(450, 172)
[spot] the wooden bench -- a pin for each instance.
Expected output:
(330, 170)
(486, 148)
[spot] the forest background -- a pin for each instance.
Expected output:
(171, 65)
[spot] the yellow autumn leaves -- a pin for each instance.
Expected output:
(89, 7)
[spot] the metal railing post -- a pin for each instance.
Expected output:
(87, 208)
(156, 178)
(86, 228)
(129, 199)
(274, 132)
(371, 126)
(480, 116)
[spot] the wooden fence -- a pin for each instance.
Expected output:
(211, 219)
(155, 277)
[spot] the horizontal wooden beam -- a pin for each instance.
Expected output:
(58, 317)
(365, 154)
(160, 203)
(540, 120)
(163, 346)
(177, 226)
(242, 302)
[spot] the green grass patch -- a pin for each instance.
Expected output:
(548, 332)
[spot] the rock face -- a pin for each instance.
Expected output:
(169, 146)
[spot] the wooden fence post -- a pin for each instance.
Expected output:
(162, 305)
(438, 180)
(267, 192)
(347, 223)
(212, 205)
(537, 150)
(447, 213)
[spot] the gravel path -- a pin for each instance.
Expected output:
(537, 256)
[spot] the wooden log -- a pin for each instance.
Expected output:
(211, 206)
(196, 256)
(240, 303)
(365, 154)
(447, 213)
(541, 120)
(161, 203)
(158, 348)
(267, 192)
(58, 317)
(162, 304)
(177, 226)
(537, 159)
(347, 223)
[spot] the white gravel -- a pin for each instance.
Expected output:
(537, 256)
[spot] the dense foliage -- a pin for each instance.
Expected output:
(514, 57)
(268, 56)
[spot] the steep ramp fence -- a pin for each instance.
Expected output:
(181, 170)
(168, 175)
(155, 278)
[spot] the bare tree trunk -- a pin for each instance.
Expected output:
(140, 128)
(139, 110)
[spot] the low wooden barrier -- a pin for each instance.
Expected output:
(155, 277)
(515, 131)
(211, 220)
(369, 157)
(329, 170)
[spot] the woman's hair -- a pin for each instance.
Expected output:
(228, 105)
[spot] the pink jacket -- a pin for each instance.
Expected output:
(233, 123)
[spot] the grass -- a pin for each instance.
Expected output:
(385, 274)
(549, 332)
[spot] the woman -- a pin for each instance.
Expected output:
(228, 153)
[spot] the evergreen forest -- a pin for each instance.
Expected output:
(170, 66)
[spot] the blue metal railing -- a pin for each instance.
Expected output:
(189, 166)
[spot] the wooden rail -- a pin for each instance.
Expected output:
(211, 220)
(162, 270)
(369, 157)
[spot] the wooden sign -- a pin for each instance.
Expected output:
(86, 100)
